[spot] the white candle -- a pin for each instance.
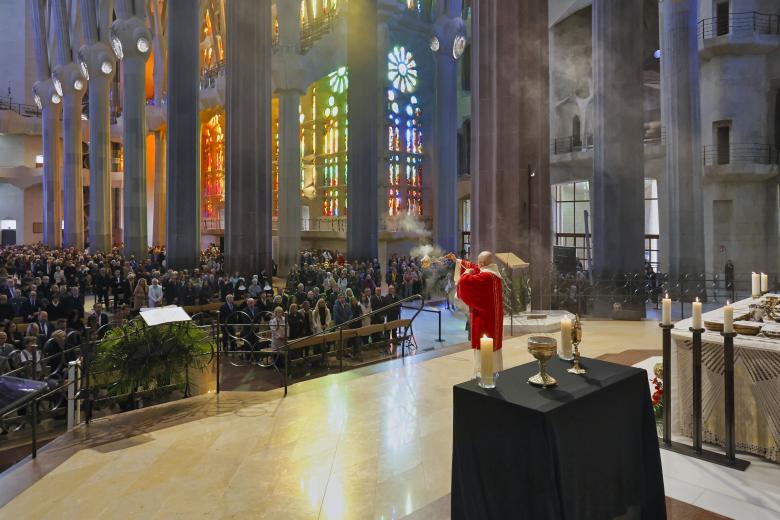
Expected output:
(697, 314)
(564, 347)
(728, 318)
(486, 353)
(666, 311)
(755, 285)
(764, 283)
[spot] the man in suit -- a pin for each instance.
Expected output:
(377, 302)
(44, 327)
(74, 301)
(19, 303)
(225, 312)
(33, 306)
(56, 309)
(6, 309)
(392, 313)
(101, 318)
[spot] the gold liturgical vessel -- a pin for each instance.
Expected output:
(543, 349)
(576, 338)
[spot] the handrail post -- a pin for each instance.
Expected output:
(439, 314)
(34, 420)
(341, 349)
(218, 350)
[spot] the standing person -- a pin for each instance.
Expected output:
(321, 317)
(392, 313)
(480, 287)
(356, 310)
(450, 285)
(155, 294)
(279, 331)
(140, 294)
(341, 310)
(377, 302)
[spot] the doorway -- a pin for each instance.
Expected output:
(722, 18)
(723, 143)
(8, 232)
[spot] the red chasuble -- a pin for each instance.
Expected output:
(482, 291)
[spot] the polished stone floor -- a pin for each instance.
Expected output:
(370, 443)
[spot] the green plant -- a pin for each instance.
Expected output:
(134, 357)
(517, 293)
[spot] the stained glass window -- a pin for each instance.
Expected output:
(404, 135)
(213, 172)
(324, 142)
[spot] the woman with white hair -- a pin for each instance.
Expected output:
(155, 293)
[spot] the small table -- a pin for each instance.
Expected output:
(587, 448)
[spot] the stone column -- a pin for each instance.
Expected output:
(290, 82)
(248, 195)
(510, 142)
(130, 29)
(364, 92)
(73, 85)
(617, 190)
(50, 103)
(289, 181)
(183, 183)
(681, 117)
(448, 26)
(160, 188)
(99, 64)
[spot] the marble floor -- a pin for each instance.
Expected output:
(370, 443)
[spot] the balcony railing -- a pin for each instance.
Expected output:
(6, 103)
(208, 77)
(569, 144)
(740, 24)
(739, 153)
(315, 29)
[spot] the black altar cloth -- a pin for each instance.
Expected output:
(585, 449)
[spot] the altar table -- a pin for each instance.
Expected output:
(585, 449)
(756, 386)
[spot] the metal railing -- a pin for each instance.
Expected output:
(739, 153)
(7, 103)
(313, 30)
(208, 77)
(739, 24)
(570, 143)
(246, 341)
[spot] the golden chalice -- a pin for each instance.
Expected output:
(543, 349)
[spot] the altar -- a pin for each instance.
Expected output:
(586, 448)
(756, 382)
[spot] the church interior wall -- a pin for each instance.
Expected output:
(33, 211)
(12, 208)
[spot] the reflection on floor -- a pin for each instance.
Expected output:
(374, 442)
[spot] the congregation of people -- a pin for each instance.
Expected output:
(42, 292)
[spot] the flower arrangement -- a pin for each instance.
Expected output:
(658, 403)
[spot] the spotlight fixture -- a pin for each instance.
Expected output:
(84, 69)
(458, 46)
(78, 85)
(55, 99)
(57, 86)
(106, 67)
(657, 54)
(38, 102)
(116, 44)
(142, 45)
(435, 44)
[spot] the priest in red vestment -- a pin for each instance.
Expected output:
(480, 287)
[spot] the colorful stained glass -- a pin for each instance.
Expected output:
(402, 70)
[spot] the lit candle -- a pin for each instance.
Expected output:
(697, 314)
(755, 285)
(728, 318)
(564, 347)
(486, 353)
(764, 283)
(666, 311)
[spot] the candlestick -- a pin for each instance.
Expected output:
(666, 311)
(755, 285)
(486, 356)
(764, 283)
(564, 348)
(728, 318)
(697, 314)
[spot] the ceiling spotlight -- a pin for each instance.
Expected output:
(78, 85)
(142, 45)
(84, 69)
(458, 46)
(657, 54)
(55, 99)
(38, 102)
(106, 67)
(57, 86)
(435, 44)
(117, 46)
